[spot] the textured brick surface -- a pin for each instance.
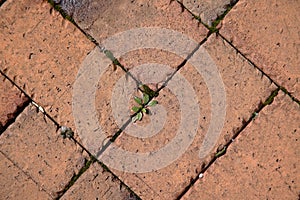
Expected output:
(41, 52)
(267, 33)
(263, 162)
(122, 15)
(245, 90)
(34, 145)
(96, 183)
(15, 184)
(11, 99)
(208, 10)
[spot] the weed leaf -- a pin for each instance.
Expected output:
(144, 110)
(134, 119)
(135, 109)
(149, 91)
(152, 103)
(145, 98)
(138, 100)
(139, 116)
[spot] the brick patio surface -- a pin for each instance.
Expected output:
(227, 122)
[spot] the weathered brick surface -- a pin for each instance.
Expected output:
(96, 183)
(121, 15)
(245, 89)
(11, 100)
(42, 52)
(208, 10)
(263, 163)
(267, 33)
(15, 184)
(34, 145)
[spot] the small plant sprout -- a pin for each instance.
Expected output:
(143, 106)
(147, 90)
(221, 152)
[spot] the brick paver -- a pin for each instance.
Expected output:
(244, 93)
(50, 59)
(208, 10)
(42, 51)
(15, 184)
(34, 145)
(43, 58)
(267, 33)
(121, 15)
(262, 163)
(11, 100)
(96, 183)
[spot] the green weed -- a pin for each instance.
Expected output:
(143, 103)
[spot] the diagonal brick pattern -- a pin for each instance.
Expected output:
(50, 58)
(245, 90)
(275, 47)
(41, 57)
(34, 145)
(262, 162)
